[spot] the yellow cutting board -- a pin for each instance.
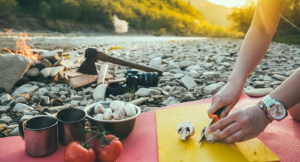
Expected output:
(172, 149)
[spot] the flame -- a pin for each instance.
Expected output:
(24, 49)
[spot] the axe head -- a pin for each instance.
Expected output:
(88, 66)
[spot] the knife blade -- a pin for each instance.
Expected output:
(215, 118)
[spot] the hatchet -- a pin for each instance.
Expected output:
(92, 55)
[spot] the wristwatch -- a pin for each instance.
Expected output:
(274, 109)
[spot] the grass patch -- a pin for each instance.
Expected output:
(289, 39)
(116, 48)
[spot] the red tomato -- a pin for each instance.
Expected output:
(74, 152)
(108, 153)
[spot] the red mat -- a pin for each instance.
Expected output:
(283, 138)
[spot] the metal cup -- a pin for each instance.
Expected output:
(40, 135)
(70, 123)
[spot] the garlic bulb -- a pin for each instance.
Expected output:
(116, 105)
(98, 109)
(130, 110)
(107, 114)
(119, 114)
(98, 117)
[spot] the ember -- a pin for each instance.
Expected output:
(24, 49)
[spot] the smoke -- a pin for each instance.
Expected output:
(121, 26)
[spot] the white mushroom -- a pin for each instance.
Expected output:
(98, 116)
(186, 129)
(119, 114)
(116, 105)
(107, 114)
(130, 110)
(210, 136)
(98, 109)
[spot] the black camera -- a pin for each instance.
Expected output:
(134, 78)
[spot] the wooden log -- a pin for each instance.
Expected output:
(102, 73)
(108, 76)
(82, 80)
(53, 56)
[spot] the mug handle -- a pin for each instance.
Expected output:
(21, 129)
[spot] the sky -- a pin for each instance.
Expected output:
(229, 3)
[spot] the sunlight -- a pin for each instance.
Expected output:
(229, 3)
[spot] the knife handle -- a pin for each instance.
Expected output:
(217, 114)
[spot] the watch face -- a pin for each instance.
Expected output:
(277, 111)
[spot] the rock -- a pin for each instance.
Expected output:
(21, 100)
(170, 101)
(90, 102)
(147, 109)
(2, 127)
(207, 65)
(51, 71)
(45, 100)
(259, 84)
(213, 88)
(267, 78)
(4, 109)
(172, 67)
(21, 107)
(12, 70)
(26, 117)
(46, 63)
(32, 72)
(167, 88)
(5, 119)
(177, 90)
(187, 97)
(259, 92)
(220, 59)
(194, 74)
(63, 97)
(185, 63)
(155, 62)
(279, 77)
(146, 92)
(26, 89)
(58, 102)
(51, 95)
(76, 97)
(188, 82)
(139, 100)
(100, 92)
(210, 75)
(226, 64)
(5, 99)
(220, 68)
(14, 132)
(74, 103)
(193, 67)
(63, 93)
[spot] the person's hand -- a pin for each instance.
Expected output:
(243, 124)
(227, 97)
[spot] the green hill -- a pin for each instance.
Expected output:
(214, 14)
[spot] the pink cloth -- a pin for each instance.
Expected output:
(283, 138)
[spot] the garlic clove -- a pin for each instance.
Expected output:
(185, 129)
(107, 114)
(98, 117)
(119, 114)
(98, 109)
(130, 110)
(116, 105)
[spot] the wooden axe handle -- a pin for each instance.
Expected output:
(103, 57)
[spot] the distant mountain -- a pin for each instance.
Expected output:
(215, 14)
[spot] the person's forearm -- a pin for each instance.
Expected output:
(289, 92)
(253, 49)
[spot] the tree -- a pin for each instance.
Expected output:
(70, 9)
(7, 6)
(44, 9)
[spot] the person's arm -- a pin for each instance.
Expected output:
(253, 49)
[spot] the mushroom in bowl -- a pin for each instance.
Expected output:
(117, 117)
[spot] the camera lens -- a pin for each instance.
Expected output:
(149, 79)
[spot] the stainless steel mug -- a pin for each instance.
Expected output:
(40, 135)
(70, 123)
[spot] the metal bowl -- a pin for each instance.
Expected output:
(120, 128)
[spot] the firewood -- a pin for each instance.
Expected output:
(52, 56)
(102, 73)
(82, 80)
